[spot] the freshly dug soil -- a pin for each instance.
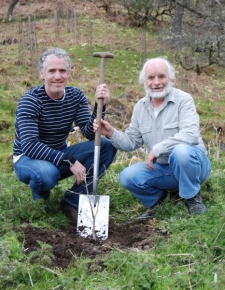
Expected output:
(67, 245)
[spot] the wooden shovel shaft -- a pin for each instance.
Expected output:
(103, 56)
(100, 103)
(98, 133)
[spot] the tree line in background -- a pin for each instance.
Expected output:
(194, 28)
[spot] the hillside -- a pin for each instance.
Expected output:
(94, 32)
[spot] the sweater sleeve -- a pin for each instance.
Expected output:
(27, 132)
(84, 120)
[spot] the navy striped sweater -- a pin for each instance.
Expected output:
(42, 125)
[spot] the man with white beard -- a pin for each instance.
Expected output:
(166, 121)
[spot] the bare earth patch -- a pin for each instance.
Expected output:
(67, 246)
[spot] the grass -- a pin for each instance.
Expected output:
(191, 253)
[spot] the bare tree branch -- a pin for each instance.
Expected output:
(10, 10)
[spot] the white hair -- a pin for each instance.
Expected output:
(171, 70)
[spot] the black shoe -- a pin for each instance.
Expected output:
(174, 195)
(195, 205)
(70, 211)
(149, 212)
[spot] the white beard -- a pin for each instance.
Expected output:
(158, 95)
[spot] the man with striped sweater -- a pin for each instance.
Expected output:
(44, 118)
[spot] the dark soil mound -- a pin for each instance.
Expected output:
(67, 245)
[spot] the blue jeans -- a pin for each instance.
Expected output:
(188, 167)
(42, 175)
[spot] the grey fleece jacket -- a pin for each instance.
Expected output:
(177, 122)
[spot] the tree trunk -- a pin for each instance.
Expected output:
(10, 10)
(177, 19)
